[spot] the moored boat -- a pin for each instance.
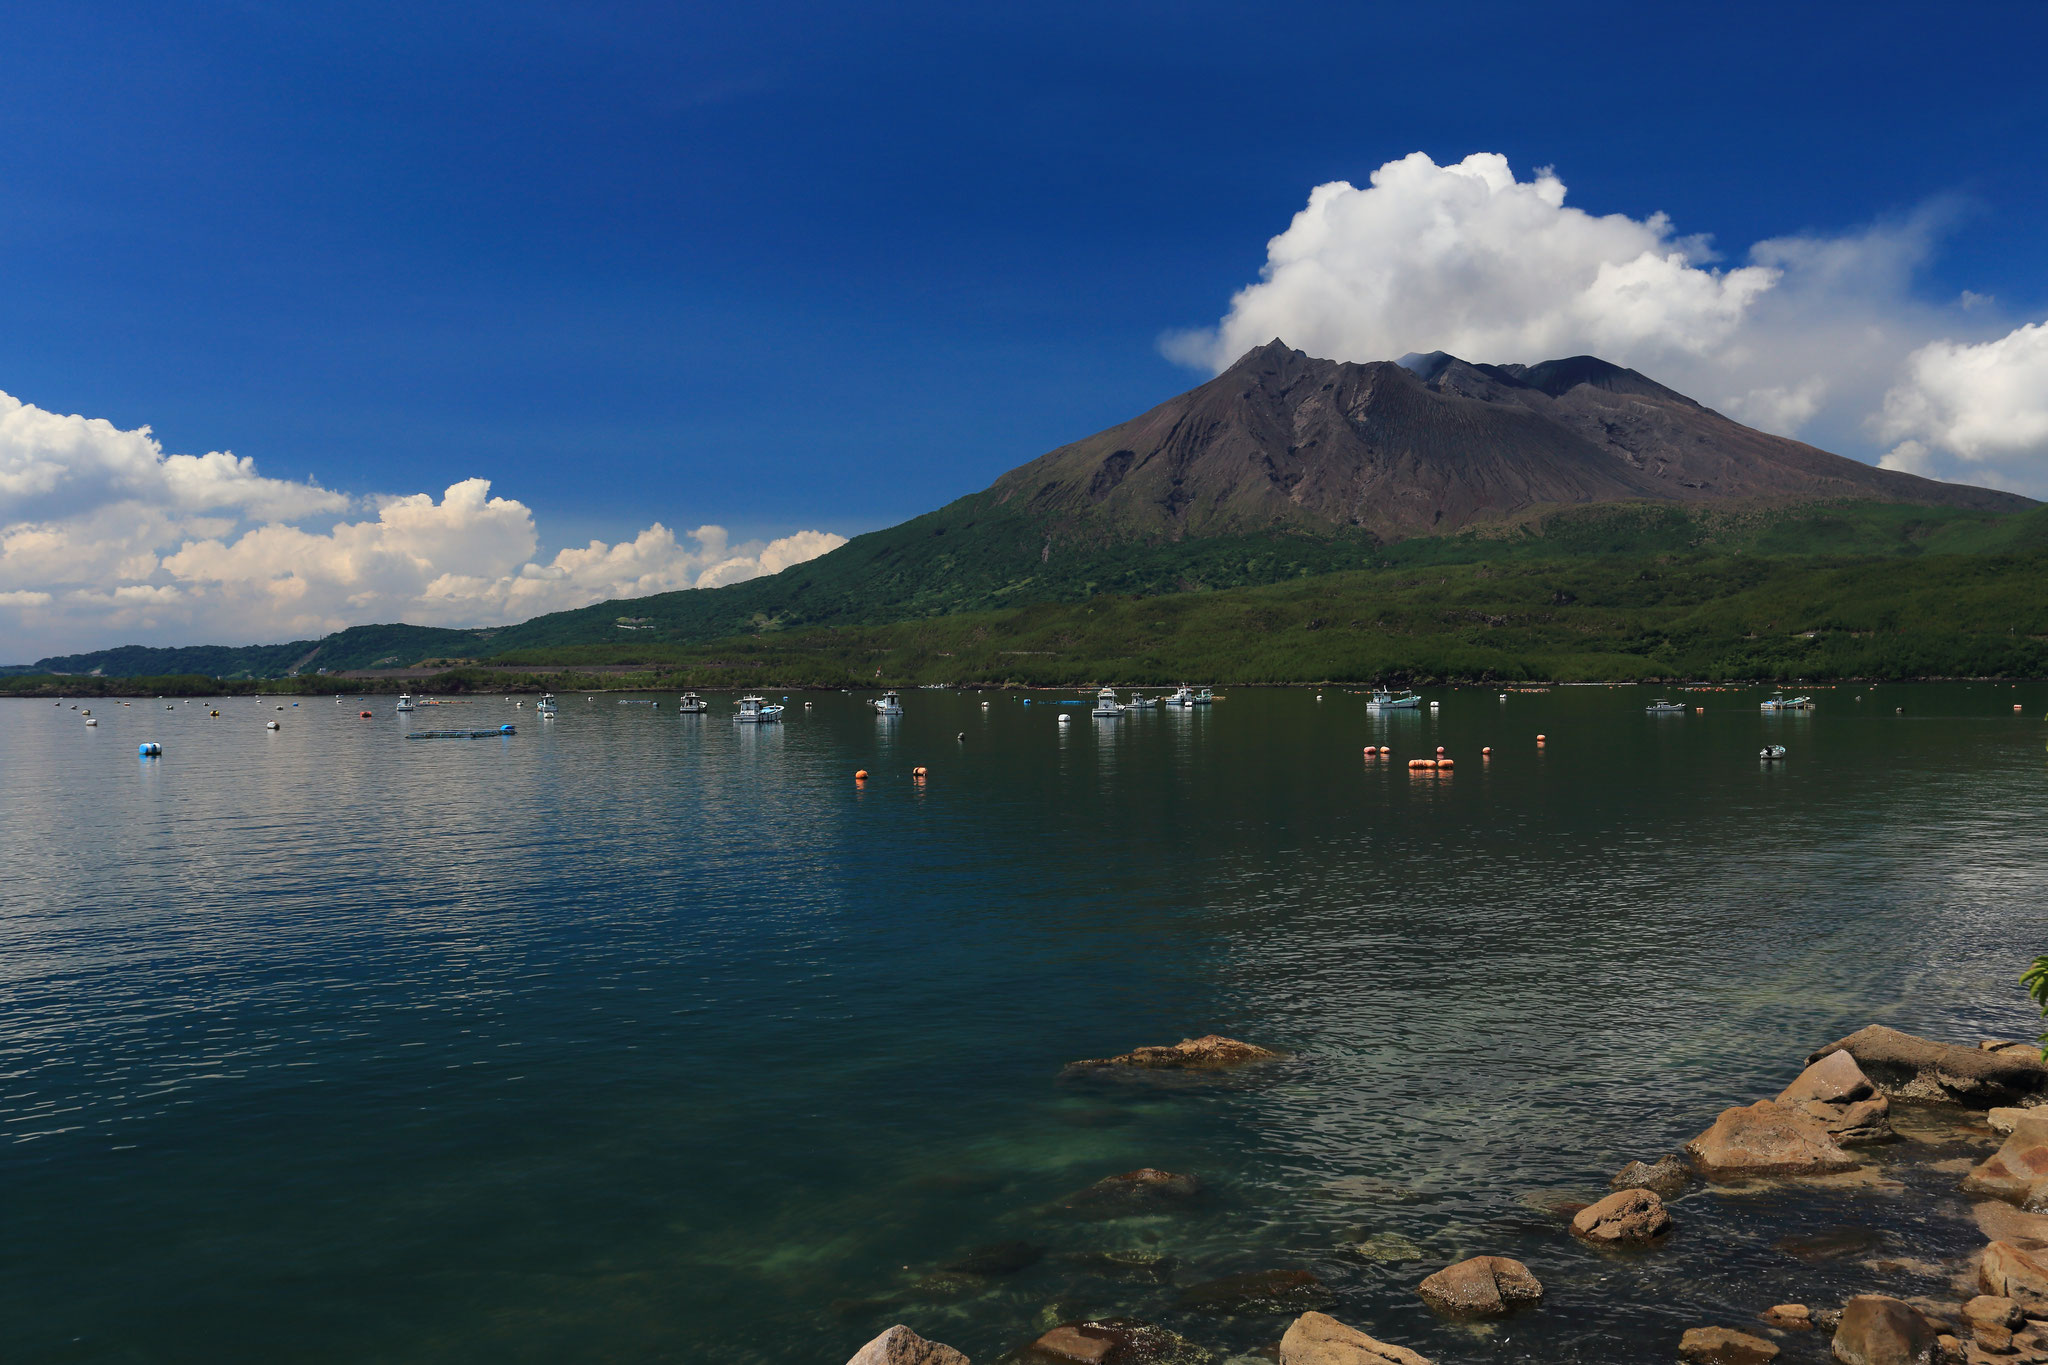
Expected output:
(1781, 702)
(406, 703)
(887, 705)
(546, 706)
(756, 711)
(1106, 705)
(692, 703)
(1770, 753)
(1661, 707)
(1383, 700)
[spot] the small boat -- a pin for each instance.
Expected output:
(1781, 702)
(639, 701)
(756, 711)
(1204, 697)
(1136, 703)
(692, 703)
(1384, 700)
(463, 734)
(1770, 753)
(1106, 705)
(887, 705)
(406, 703)
(1661, 707)
(547, 707)
(1182, 696)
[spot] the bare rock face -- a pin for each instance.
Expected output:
(1483, 1287)
(1766, 1138)
(1624, 1217)
(1666, 1176)
(1906, 1067)
(1212, 1052)
(1877, 1330)
(2007, 1272)
(2018, 1171)
(1319, 1339)
(1835, 1093)
(1724, 1346)
(901, 1346)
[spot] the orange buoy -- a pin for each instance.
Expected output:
(364, 714)
(917, 772)
(1442, 764)
(1385, 752)
(1439, 750)
(1486, 752)
(1539, 739)
(861, 775)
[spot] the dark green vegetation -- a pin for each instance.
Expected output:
(1855, 589)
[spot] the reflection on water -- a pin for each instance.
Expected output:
(644, 1035)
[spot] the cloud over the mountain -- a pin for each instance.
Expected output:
(1973, 411)
(1803, 336)
(105, 539)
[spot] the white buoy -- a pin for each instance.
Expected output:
(90, 721)
(270, 725)
(1064, 718)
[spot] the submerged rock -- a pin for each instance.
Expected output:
(901, 1346)
(996, 1258)
(1877, 1330)
(1626, 1216)
(1318, 1339)
(1906, 1067)
(1835, 1244)
(1724, 1346)
(1387, 1246)
(1766, 1138)
(1665, 1176)
(1793, 1317)
(1142, 1190)
(1482, 1287)
(1258, 1292)
(1139, 1267)
(1211, 1052)
(1114, 1341)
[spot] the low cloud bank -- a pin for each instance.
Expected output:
(105, 539)
(1819, 337)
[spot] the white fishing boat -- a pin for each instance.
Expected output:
(1383, 700)
(1106, 705)
(756, 711)
(1781, 702)
(406, 703)
(1661, 707)
(546, 706)
(887, 705)
(692, 703)
(1136, 703)
(1204, 697)
(1771, 753)
(1182, 696)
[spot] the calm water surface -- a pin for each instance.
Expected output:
(649, 1037)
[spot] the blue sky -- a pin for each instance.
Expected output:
(805, 268)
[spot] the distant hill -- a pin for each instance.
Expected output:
(1281, 467)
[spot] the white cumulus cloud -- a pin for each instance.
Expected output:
(1801, 337)
(105, 539)
(1973, 411)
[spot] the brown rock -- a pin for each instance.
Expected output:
(1796, 1317)
(1667, 1175)
(1906, 1067)
(901, 1346)
(2013, 1170)
(1483, 1287)
(1766, 1139)
(1624, 1216)
(1949, 1351)
(1318, 1339)
(2001, 1222)
(2009, 1273)
(1834, 1079)
(1212, 1052)
(1995, 1310)
(1088, 1344)
(1877, 1330)
(1724, 1346)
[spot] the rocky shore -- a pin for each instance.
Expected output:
(1928, 1109)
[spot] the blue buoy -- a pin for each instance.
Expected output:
(149, 749)
(507, 730)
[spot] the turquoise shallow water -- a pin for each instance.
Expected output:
(641, 1037)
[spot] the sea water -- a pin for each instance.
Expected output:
(646, 1036)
